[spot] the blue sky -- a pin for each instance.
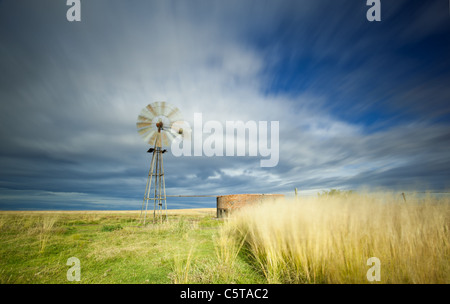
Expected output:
(360, 104)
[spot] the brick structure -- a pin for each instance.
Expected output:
(228, 203)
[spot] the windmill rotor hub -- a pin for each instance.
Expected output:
(161, 123)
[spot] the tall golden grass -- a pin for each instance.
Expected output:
(329, 239)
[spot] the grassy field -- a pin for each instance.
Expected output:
(325, 239)
(35, 247)
(330, 238)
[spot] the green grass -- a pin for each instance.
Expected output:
(112, 248)
(109, 228)
(326, 239)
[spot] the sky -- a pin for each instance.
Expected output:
(360, 105)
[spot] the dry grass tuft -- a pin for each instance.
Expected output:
(45, 230)
(330, 238)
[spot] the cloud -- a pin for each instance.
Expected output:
(71, 92)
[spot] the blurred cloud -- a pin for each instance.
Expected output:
(359, 104)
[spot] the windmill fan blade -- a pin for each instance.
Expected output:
(169, 109)
(174, 115)
(165, 140)
(151, 137)
(156, 108)
(147, 113)
(143, 131)
(150, 109)
(147, 135)
(163, 108)
(140, 125)
(145, 116)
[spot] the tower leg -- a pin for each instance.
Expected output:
(143, 215)
(163, 185)
(155, 198)
(159, 187)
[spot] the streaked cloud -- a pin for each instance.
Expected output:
(359, 104)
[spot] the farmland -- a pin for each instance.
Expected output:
(326, 239)
(35, 247)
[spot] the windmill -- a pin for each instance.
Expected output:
(158, 123)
